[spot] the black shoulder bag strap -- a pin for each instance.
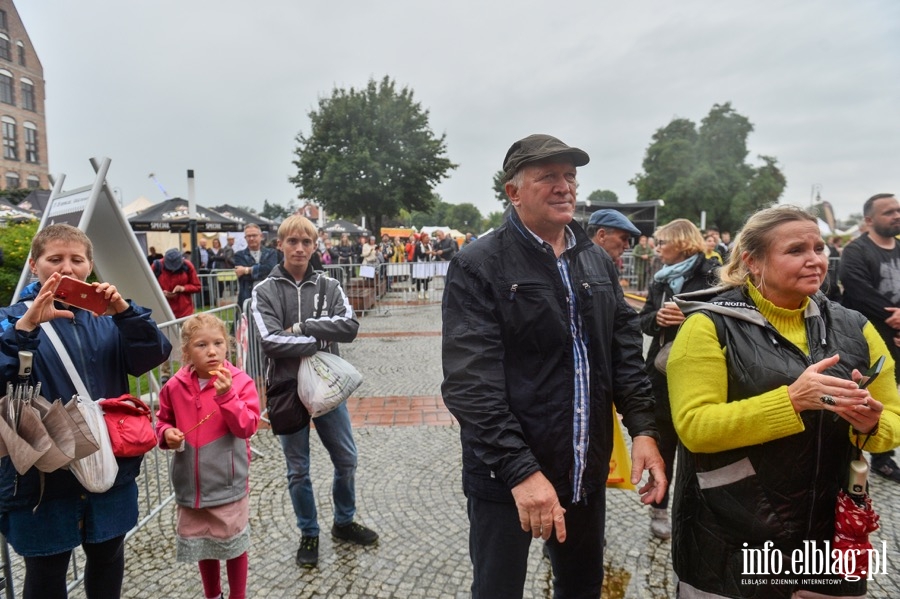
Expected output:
(320, 290)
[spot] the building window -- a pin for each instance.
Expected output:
(12, 181)
(21, 53)
(6, 88)
(31, 143)
(28, 95)
(10, 150)
(33, 182)
(5, 51)
(3, 24)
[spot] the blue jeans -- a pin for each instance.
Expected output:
(337, 437)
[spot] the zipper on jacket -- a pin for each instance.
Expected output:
(512, 291)
(587, 288)
(812, 486)
(808, 360)
(314, 281)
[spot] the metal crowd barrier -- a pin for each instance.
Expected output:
(377, 288)
(371, 288)
(218, 287)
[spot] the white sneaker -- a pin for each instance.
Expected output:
(421, 296)
(660, 527)
(426, 295)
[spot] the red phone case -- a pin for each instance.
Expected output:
(80, 294)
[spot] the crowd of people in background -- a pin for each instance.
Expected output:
(636, 254)
(366, 249)
(187, 286)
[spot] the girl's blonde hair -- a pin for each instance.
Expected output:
(684, 237)
(755, 238)
(197, 322)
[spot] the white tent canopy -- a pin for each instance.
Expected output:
(136, 206)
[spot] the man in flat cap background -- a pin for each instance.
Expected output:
(611, 230)
(538, 343)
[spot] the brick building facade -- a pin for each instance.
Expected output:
(23, 131)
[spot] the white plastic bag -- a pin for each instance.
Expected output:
(325, 381)
(96, 472)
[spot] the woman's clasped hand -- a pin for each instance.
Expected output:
(815, 390)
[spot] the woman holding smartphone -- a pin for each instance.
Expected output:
(765, 381)
(44, 518)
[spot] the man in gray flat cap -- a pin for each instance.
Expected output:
(539, 345)
(612, 231)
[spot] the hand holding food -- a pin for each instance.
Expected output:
(222, 380)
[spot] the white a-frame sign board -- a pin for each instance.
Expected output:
(118, 258)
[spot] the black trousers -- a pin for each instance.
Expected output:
(45, 577)
(499, 547)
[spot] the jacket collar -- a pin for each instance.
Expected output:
(523, 235)
(30, 291)
(734, 302)
(279, 272)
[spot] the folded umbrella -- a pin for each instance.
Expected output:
(58, 425)
(854, 519)
(25, 437)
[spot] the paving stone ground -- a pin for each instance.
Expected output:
(408, 489)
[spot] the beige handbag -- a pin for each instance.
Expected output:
(662, 358)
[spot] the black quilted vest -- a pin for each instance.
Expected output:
(784, 490)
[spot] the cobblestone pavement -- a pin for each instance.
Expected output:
(409, 490)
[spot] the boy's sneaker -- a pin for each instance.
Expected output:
(354, 533)
(886, 467)
(308, 554)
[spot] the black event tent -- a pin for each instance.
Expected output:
(172, 215)
(336, 227)
(245, 218)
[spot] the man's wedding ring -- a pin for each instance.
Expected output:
(828, 400)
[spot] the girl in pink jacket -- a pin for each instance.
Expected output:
(207, 413)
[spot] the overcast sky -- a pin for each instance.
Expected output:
(223, 87)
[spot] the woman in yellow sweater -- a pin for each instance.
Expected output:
(763, 387)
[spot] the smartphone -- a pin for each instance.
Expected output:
(871, 374)
(83, 295)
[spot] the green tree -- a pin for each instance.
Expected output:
(706, 170)
(493, 220)
(370, 152)
(602, 195)
(500, 189)
(15, 239)
(464, 218)
(435, 214)
(276, 212)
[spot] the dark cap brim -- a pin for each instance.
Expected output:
(539, 148)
